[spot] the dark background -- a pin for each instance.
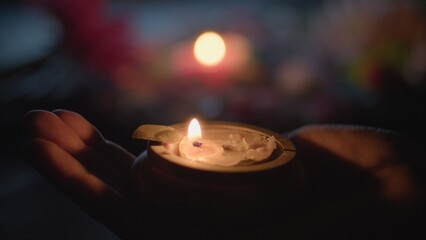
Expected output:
(352, 62)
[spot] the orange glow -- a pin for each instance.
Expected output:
(194, 130)
(209, 49)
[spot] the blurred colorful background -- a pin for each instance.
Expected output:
(124, 63)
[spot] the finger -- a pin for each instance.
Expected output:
(61, 167)
(116, 155)
(370, 156)
(68, 175)
(327, 163)
(85, 130)
(46, 125)
(363, 147)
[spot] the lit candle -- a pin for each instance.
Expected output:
(220, 174)
(219, 146)
(194, 147)
(224, 147)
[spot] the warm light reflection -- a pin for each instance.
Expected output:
(209, 48)
(194, 130)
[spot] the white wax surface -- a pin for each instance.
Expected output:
(227, 147)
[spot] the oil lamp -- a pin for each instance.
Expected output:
(219, 174)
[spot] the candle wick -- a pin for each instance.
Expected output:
(197, 144)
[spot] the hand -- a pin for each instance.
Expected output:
(74, 156)
(354, 171)
(364, 183)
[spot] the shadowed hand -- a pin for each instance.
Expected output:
(362, 182)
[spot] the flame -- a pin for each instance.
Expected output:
(209, 48)
(194, 130)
